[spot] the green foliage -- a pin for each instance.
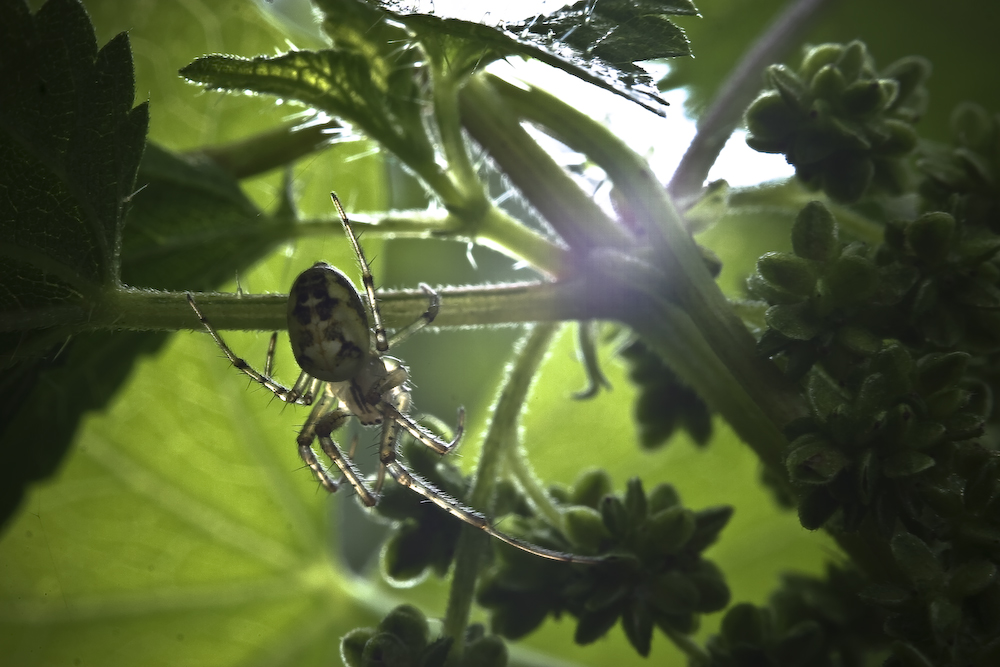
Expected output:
(865, 398)
(844, 125)
(401, 640)
(654, 576)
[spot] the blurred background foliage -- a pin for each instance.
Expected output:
(182, 529)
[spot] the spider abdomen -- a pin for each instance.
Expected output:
(327, 324)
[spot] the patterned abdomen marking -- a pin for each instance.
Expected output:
(327, 324)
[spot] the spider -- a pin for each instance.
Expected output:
(345, 373)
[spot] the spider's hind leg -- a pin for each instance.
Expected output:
(325, 418)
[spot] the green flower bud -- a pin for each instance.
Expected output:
(899, 138)
(769, 118)
(674, 593)
(408, 624)
(895, 364)
(937, 371)
(859, 341)
(905, 463)
(817, 57)
(910, 73)
(744, 624)
(765, 291)
(803, 644)
(615, 516)
(670, 529)
(813, 460)
(946, 402)
(971, 126)
(886, 595)
(930, 236)
(713, 593)
(788, 84)
(828, 83)
(386, 650)
(489, 651)
(709, 523)
(917, 562)
(925, 434)
(862, 98)
(853, 61)
(971, 578)
(945, 616)
(846, 177)
(663, 496)
(352, 646)
(637, 622)
(824, 394)
(585, 526)
(788, 272)
(635, 500)
(795, 321)
(590, 487)
(593, 625)
(873, 394)
(816, 507)
(814, 235)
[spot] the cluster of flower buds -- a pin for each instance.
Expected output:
(843, 125)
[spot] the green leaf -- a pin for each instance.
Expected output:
(70, 144)
(379, 94)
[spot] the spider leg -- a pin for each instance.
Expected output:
(427, 439)
(395, 410)
(381, 341)
(263, 379)
(325, 418)
(423, 320)
(406, 477)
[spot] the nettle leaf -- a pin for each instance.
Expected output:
(192, 227)
(370, 77)
(70, 144)
(597, 42)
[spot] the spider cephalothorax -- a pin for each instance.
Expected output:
(345, 373)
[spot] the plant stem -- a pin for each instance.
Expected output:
(500, 439)
(575, 217)
(737, 91)
(532, 487)
(477, 305)
(670, 249)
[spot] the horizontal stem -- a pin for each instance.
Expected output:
(472, 306)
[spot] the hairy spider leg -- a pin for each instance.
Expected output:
(300, 393)
(381, 340)
(423, 320)
(409, 479)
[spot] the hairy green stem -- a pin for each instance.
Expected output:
(500, 439)
(545, 184)
(473, 306)
(726, 111)
(532, 487)
(685, 279)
